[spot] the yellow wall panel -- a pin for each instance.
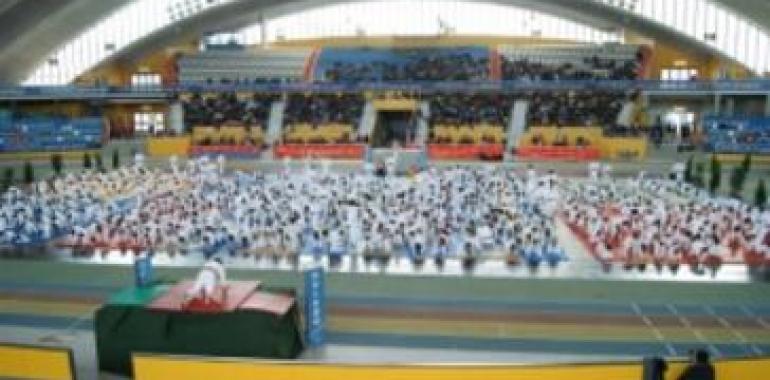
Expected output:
(592, 134)
(150, 367)
(623, 147)
(168, 146)
(156, 368)
(28, 362)
(395, 104)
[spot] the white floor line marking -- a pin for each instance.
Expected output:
(727, 325)
(696, 332)
(655, 330)
(759, 319)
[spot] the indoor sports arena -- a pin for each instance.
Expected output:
(400, 189)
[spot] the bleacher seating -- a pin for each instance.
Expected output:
(580, 62)
(251, 110)
(243, 66)
(414, 64)
(227, 135)
(575, 108)
(321, 119)
(36, 133)
(737, 134)
(469, 119)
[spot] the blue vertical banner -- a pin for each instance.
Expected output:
(315, 307)
(143, 271)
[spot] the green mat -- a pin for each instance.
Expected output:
(137, 296)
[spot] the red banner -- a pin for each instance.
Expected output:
(558, 153)
(345, 151)
(465, 152)
(239, 150)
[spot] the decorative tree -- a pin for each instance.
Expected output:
(760, 195)
(699, 172)
(87, 161)
(688, 170)
(56, 164)
(115, 159)
(746, 163)
(8, 175)
(29, 173)
(715, 181)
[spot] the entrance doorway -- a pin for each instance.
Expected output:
(680, 122)
(391, 127)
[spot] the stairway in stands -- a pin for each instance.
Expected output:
(421, 137)
(275, 122)
(274, 127)
(516, 125)
(627, 113)
(368, 120)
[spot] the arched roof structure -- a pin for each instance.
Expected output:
(52, 41)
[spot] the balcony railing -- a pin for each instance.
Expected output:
(728, 86)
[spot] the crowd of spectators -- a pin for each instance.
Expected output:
(575, 108)
(226, 107)
(590, 68)
(324, 109)
(727, 138)
(423, 67)
(470, 109)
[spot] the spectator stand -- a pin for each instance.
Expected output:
(46, 133)
(737, 135)
(468, 126)
(578, 62)
(403, 64)
(239, 65)
(560, 143)
(229, 123)
(321, 125)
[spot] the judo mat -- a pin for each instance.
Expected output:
(231, 299)
(127, 324)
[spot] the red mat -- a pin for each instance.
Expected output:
(618, 256)
(236, 293)
(277, 304)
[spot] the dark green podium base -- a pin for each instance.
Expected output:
(124, 326)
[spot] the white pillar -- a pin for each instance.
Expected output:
(262, 31)
(176, 117)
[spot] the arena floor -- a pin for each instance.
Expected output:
(575, 312)
(389, 318)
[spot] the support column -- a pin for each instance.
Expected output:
(176, 117)
(262, 31)
(717, 103)
(730, 106)
(767, 105)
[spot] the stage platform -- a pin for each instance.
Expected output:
(254, 323)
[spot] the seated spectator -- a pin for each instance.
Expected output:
(227, 108)
(574, 108)
(322, 109)
(699, 368)
(457, 109)
(320, 119)
(420, 65)
(588, 69)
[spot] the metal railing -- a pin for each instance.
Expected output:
(655, 86)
